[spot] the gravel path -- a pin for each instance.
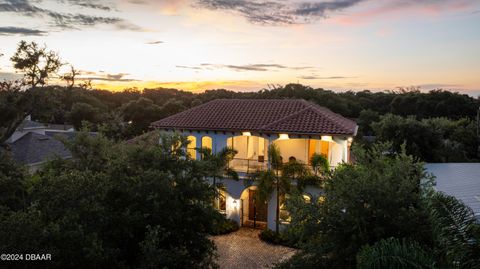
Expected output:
(243, 249)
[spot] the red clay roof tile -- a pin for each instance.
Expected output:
(260, 115)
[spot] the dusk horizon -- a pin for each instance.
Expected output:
(246, 45)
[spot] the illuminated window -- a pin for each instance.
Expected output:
(207, 142)
(191, 147)
(284, 214)
(222, 200)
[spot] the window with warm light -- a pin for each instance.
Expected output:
(284, 214)
(191, 151)
(207, 142)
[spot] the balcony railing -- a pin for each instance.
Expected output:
(247, 165)
(253, 165)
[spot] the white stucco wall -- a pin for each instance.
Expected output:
(291, 147)
(297, 148)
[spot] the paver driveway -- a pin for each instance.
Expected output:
(243, 249)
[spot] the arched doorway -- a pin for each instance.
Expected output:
(253, 212)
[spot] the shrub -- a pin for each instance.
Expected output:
(224, 226)
(280, 238)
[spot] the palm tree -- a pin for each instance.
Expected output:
(277, 177)
(456, 240)
(319, 164)
(394, 253)
(216, 165)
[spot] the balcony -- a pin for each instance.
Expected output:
(248, 165)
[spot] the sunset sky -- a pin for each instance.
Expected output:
(247, 44)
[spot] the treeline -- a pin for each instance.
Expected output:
(437, 126)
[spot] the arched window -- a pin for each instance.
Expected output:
(207, 142)
(191, 147)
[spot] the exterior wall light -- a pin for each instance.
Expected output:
(327, 138)
(283, 137)
(350, 139)
(246, 134)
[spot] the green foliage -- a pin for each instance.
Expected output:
(139, 114)
(13, 186)
(224, 226)
(433, 140)
(393, 253)
(38, 65)
(115, 206)
(272, 237)
(378, 197)
(275, 157)
(82, 112)
(320, 164)
(455, 230)
(35, 62)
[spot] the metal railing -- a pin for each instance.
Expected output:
(253, 165)
(247, 165)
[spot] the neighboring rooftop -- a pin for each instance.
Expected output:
(461, 180)
(260, 115)
(30, 124)
(35, 148)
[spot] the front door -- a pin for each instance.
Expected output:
(256, 210)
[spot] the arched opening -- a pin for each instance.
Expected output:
(191, 151)
(253, 212)
(207, 142)
(251, 153)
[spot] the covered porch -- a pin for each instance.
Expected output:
(252, 150)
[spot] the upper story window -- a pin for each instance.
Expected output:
(191, 147)
(207, 142)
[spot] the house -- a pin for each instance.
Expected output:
(34, 143)
(461, 180)
(299, 129)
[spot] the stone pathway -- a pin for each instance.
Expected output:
(243, 249)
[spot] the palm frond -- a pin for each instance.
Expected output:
(452, 221)
(395, 254)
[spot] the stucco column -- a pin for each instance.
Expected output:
(272, 211)
(198, 137)
(343, 143)
(219, 142)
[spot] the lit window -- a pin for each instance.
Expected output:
(284, 214)
(191, 147)
(207, 142)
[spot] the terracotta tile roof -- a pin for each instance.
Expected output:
(260, 115)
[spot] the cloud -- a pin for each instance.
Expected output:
(248, 67)
(284, 12)
(64, 20)
(189, 67)
(93, 4)
(102, 76)
(10, 30)
(311, 77)
(9, 76)
(439, 86)
(274, 12)
(155, 42)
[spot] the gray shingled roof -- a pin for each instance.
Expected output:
(36, 148)
(461, 180)
(28, 124)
